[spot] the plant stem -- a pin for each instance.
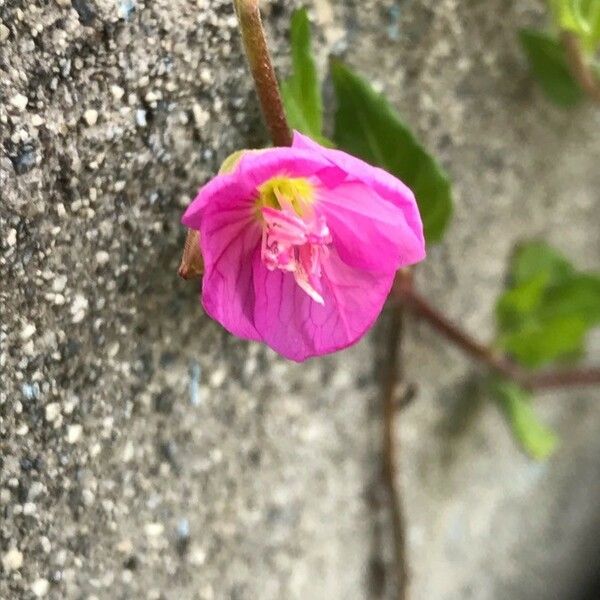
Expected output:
(580, 69)
(391, 376)
(267, 89)
(494, 360)
(261, 66)
(497, 362)
(563, 378)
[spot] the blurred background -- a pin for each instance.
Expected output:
(144, 452)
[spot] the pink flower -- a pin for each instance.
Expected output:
(301, 245)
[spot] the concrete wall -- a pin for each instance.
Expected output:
(145, 453)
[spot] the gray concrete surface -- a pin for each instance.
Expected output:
(144, 453)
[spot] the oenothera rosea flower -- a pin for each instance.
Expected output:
(301, 245)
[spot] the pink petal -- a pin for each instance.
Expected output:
(230, 238)
(386, 185)
(297, 327)
(256, 168)
(369, 232)
(225, 187)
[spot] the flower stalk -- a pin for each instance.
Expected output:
(267, 89)
(263, 73)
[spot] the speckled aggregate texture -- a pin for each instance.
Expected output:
(144, 453)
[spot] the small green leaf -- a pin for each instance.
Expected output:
(367, 126)
(535, 438)
(538, 342)
(536, 257)
(579, 296)
(520, 301)
(593, 25)
(301, 92)
(549, 307)
(231, 162)
(565, 14)
(595, 28)
(549, 65)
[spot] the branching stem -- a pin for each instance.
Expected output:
(496, 361)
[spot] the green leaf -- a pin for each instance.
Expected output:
(231, 162)
(536, 257)
(549, 65)
(592, 39)
(548, 308)
(301, 92)
(579, 296)
(520, 301)
(539, 342)
(535, 438)
(367, 126)
(595, 28)
(565, 14)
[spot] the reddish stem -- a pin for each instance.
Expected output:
(391, 375)
(263, 73)
(564, 378)
(494, 360)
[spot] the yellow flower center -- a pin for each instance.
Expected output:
(296, 193)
